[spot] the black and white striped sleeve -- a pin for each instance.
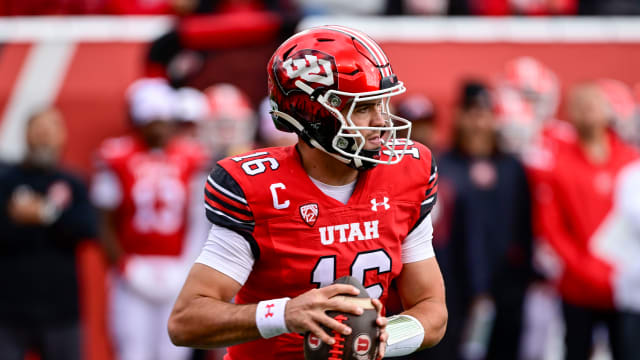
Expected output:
(226, 205)
(430, 195)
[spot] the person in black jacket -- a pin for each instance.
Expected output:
(482, 237)
(44, 213)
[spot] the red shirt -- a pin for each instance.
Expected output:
(573, 201)
(303, 239)
(151, 217)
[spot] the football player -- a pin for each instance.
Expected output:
(351, 198)
(527, 94)
(230, 125)
(142, 188)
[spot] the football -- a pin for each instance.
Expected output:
(361, 344)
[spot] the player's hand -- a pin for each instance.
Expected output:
(25, 207)
(382, 323)
(306, 312)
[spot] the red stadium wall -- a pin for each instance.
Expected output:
(91, 96)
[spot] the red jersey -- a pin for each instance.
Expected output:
(154, 184)
(303, 239)
(574, 200)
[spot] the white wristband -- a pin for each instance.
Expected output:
(405, 335)
(270, 317)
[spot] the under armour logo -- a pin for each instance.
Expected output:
(269, 313)
(375, 204)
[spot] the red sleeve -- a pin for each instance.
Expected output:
(226, 204)
(586, 278)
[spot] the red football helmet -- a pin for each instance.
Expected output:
(231, 121)
(536, 83)
(317, 74)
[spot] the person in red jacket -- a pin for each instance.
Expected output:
(574, 202)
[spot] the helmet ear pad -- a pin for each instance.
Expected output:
(314, 121)
(282, 124)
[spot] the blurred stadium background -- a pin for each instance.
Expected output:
(82, 55)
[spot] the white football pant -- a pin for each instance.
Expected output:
(139, 326)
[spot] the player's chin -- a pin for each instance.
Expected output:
(374, 142)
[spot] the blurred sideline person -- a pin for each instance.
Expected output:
(44, 213)
(230, 125)
(191, 108)
(485, 241)
(288, 221)
(575, 202)
(190, 111)
(142, 187)
(527, 97)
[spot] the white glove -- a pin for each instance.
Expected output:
(626, 288)
(157, 278)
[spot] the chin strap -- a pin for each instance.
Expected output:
(363, 164)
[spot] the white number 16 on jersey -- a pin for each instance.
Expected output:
(324, 272)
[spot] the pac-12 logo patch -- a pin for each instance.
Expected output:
(309, 213)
